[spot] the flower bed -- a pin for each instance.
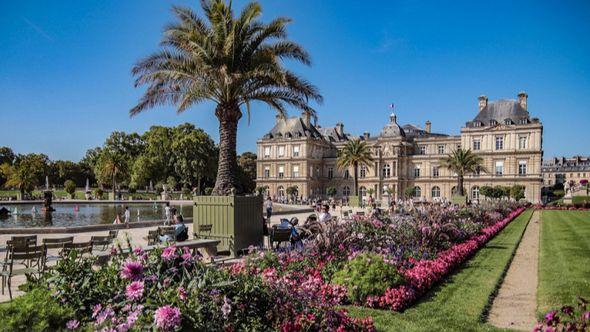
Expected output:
(385, 263)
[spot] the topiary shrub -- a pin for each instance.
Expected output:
(70, 187)
(367, 274)
(34, 311)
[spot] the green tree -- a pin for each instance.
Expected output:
(230, 61)
(355, 154)
(517, 192)
(292, 191)
(70, 187)
(6, 157)
(247, 166)
(111, 167)
(331, 191)
(26, 173)
(462, 162)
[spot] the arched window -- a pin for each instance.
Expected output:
(417, 192)
(346, 191)
(386, 171)
(280, 191)
(363, 171)
(346, 174)
(362, 191)
(475, 193)
(435, 192)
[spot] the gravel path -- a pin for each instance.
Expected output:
(516, 303)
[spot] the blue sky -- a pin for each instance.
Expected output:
(65, 80)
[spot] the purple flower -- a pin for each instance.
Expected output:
(97, 308)
(72, 324)
(551, 316)
(226, 307)
(182, 294)
(169, 253)
(138, 251)
(586, 316)
(132, 270)
(134, 290)
(167, 318)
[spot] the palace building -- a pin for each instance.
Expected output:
(562, 170)
(297, 152)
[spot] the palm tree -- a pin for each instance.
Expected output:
(463, 162)
(354, 154)
(231, 61)
(111, 166)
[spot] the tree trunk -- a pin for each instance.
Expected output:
(227, 182)
(460, 185)
(356, 179)
(114, 185)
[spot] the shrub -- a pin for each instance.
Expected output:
(70, 187)
(98, 193)
(517, 192)
(34, 311)
(367, 275)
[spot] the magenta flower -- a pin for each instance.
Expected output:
(182, 293)
(138, 251)
(169, 253)
(132, 270)
(72, 324)
(134, 290)
(226, 307)
(167, 318)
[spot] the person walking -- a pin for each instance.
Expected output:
(127, 216)
(268, 208)
(167, 214)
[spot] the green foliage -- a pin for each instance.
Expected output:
(355, 154)
(27, 172)
(98, 193)
(247, 171)
(517, 192)
(208, 191)
(331, 191)
(34, 311)
(367, 274)
(409, 192)
(70, 187)
(463, 162)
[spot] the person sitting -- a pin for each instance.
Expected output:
(325, 216)
(180, 229)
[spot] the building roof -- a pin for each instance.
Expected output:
(292, 127)
(331, 134)
(413, 131)
(392, 129)
(501, 111)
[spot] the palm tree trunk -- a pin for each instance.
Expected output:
(227, 181)
(114, 185)
(356, 179)
(460, 185)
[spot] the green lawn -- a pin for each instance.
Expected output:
(580, 199)
(459, 303)
(564, 259)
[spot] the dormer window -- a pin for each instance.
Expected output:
(493, 123)
(477, 124)
(507, 122)
(524, 121)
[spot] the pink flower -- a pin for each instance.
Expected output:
(167, 318)
(134, 290)
(226, 307)
(72, 324)
(182, 293)
(169, 253)
(132, 270)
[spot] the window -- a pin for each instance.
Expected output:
(346, 174)
(459, 146)
(435, 192)
(475, 193)
(476, 144)
(317, 171)
(499, 142)
(362, 191)
(266, 171)
(330, 172)
(346, 191)
(310, 171)
(522, 142)
(280, 191)
(267, 152)
(363, 171)
(522, 167)
(295, 171)
(281, 151)
(422, 149)
(441, 149)
(281, 172)
(386, 171)
(435, 172)
(296, 151)
(477, 171)
(417, 192)
(499, 167)
(416, 171)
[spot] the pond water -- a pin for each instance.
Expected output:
(67, 215)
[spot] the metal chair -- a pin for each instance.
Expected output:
(81, 248)
(56, 243)
(35, 255)
(113, 234)
(279, 235)
(101, 243)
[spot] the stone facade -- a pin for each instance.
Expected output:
(296, 152)
(562, 170)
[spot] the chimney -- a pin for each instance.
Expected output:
(427, 127)
(366, 135)
(482, 102)
(522, 98)
(306, 116)
(340, 129)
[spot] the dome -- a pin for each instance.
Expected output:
(392, 129)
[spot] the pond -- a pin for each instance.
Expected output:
(67, 215)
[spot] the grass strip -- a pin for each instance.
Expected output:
(457, 303)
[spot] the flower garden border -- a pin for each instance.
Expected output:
(425, 274)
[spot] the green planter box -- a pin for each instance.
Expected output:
(461, 200)
(354, 201)
(235, 220)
